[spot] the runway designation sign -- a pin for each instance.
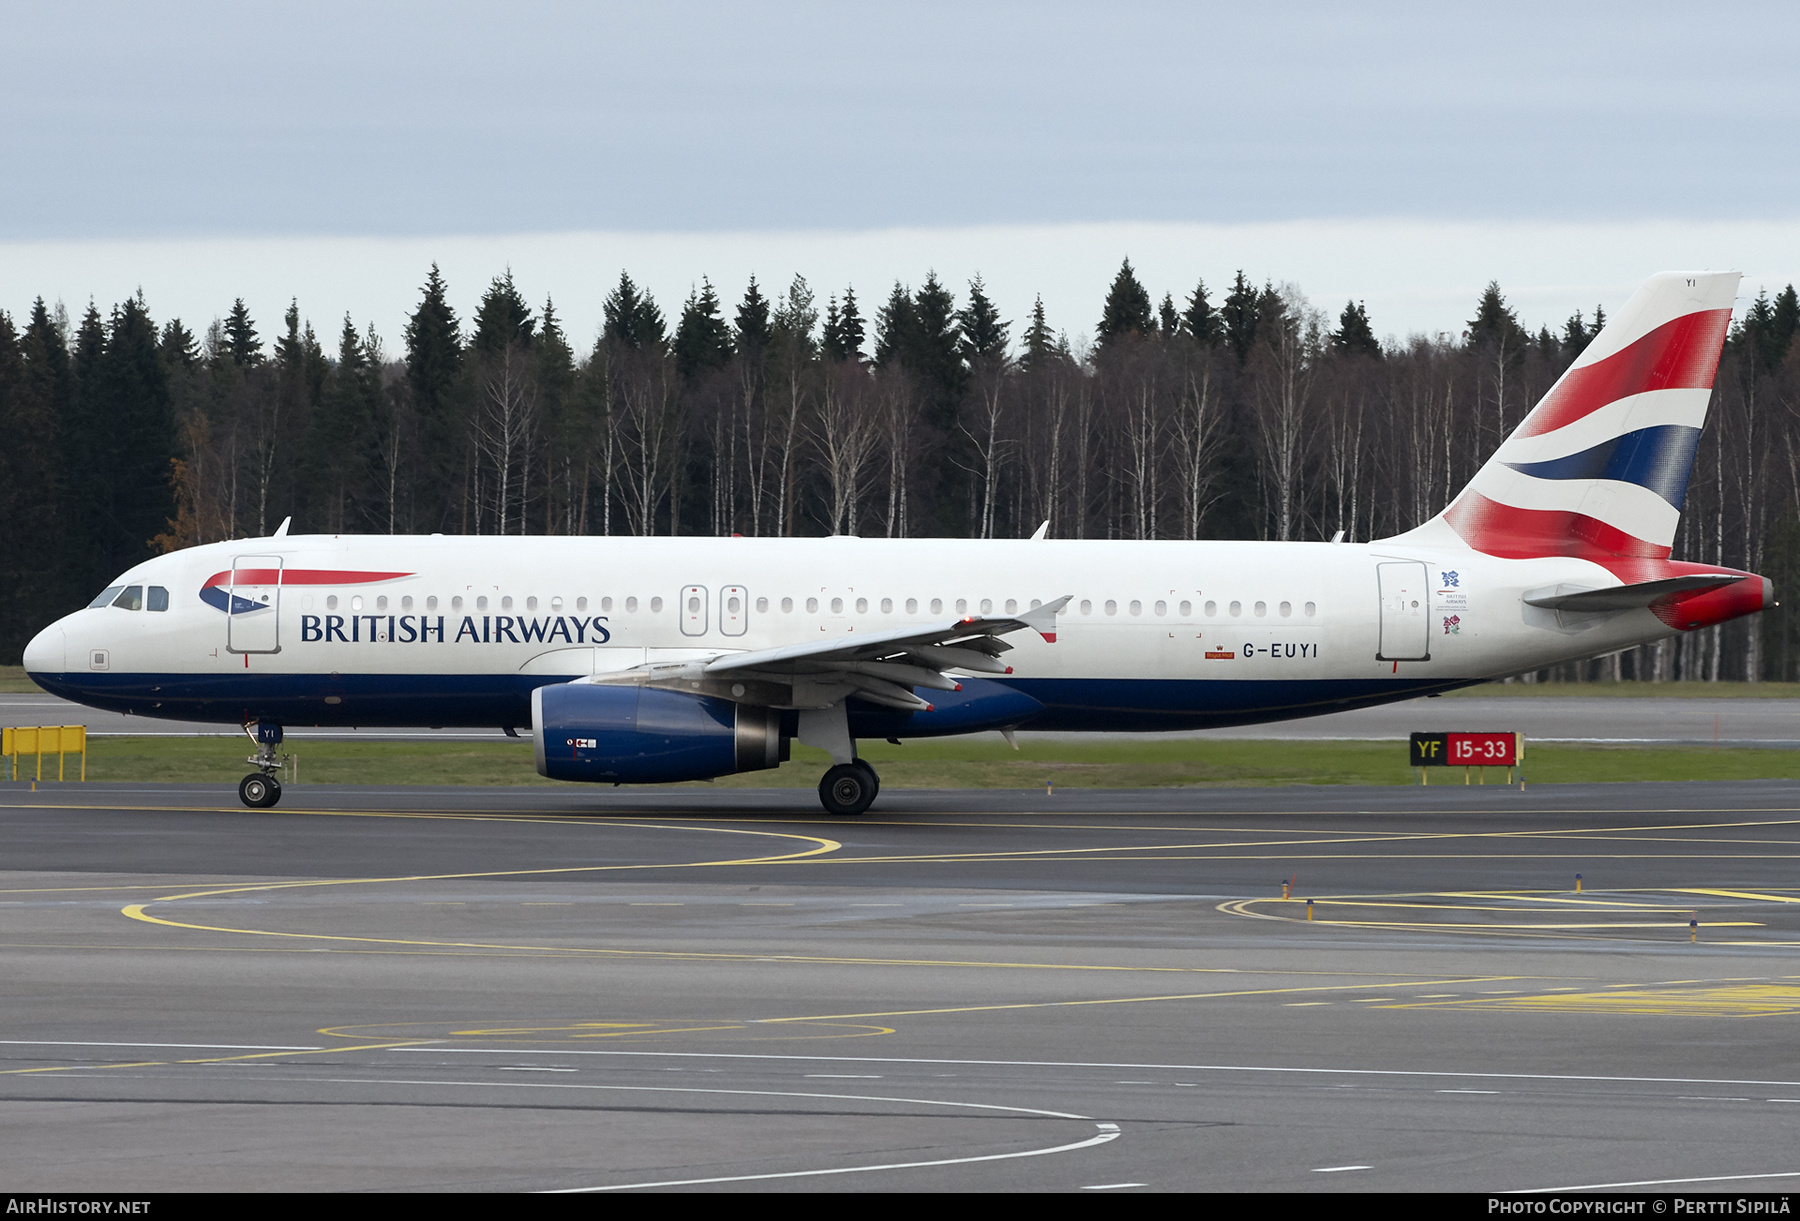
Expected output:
(1465, 750)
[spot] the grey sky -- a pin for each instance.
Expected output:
(144, 121)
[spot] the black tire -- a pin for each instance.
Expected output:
(258, 791)
(874, 780)
(847, 790)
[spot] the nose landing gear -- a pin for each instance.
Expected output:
(262, 788)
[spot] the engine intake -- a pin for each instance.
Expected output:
(646, 735)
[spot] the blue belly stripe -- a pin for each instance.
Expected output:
(500, 700)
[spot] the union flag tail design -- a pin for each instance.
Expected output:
(1599, 469)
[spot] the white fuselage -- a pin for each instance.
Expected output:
(376, 630)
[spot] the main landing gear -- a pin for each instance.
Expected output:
(262, 788)
(849, 788)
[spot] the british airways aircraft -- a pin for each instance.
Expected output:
(645, 660)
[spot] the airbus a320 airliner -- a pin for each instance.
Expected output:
(646, 660)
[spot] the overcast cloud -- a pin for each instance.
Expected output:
(197, 119)
(1400, 153)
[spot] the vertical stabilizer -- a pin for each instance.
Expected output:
(1599, 469)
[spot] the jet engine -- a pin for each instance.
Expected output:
(646, 735)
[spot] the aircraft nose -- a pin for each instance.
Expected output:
(48, 652)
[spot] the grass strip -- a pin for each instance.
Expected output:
(983, 761)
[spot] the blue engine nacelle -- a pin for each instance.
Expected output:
(645, 735)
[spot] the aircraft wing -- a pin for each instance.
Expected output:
(881, 667)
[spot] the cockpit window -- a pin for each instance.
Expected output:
(106, 596)
(131, 599)
(159, 598)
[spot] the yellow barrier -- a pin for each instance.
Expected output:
(41, 740)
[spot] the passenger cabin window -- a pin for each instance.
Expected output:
(912, 606)
(1187, 608)
(812, 606)
(1286, 608)
(631, 606)
(1237, 608)
(1112, 608)
(862, 606)
(887, 606)
(787, 606)
(159, 598)
(506, 602)
(331, 601)
(1311, 609)
(937, 606)
(1087, 607)
(481, 602)
(656, 606)
(431, 602)
(1212, 610)
(381, 602)
(106, 596)
(762, 606)
(1262, 608)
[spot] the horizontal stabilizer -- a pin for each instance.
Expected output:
(1631, 597)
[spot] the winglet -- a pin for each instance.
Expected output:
(1042, 619)
(1037, 535)
(282, 529)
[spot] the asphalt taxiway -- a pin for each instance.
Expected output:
(599, 990)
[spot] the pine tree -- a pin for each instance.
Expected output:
(843, 335)
(178, 347)
(633, 319)
(752, 323)
(1354, 336)
(136, 442)
(896, 326)
(1575, 337)
(1786, 321)
(1127, 310)
(1200, 320)
(1239, 314)
(502, 318)
(983, 332)
(935, 356)
(1494, 324)
(241, 343)
(702, 339)
(1168, 321)
(1039, 340)
(434, 371)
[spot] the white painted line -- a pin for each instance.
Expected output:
(534, 1068)
(1089, 1143)
(847, 1076)
(1111, 1186)
(1716, 1178)
(191, 1046)
(1338, 1169)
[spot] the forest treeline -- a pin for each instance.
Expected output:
(1245, 413)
